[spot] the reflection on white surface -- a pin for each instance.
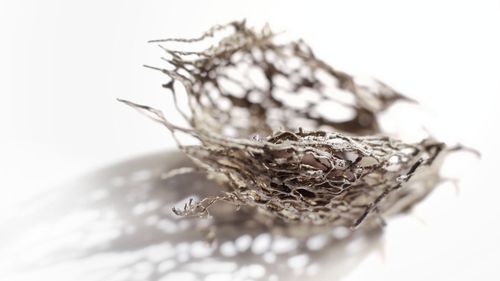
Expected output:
(117, 224)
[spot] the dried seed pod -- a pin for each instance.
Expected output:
(249, 99)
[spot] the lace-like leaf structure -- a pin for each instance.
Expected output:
(257, 110)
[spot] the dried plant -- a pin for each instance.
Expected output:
(265, 118)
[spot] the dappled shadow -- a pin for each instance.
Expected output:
(117, 224)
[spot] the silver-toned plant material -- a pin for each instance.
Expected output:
(264, 115)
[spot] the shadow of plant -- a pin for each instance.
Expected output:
(117, 224)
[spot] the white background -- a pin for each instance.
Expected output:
(63, 64)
